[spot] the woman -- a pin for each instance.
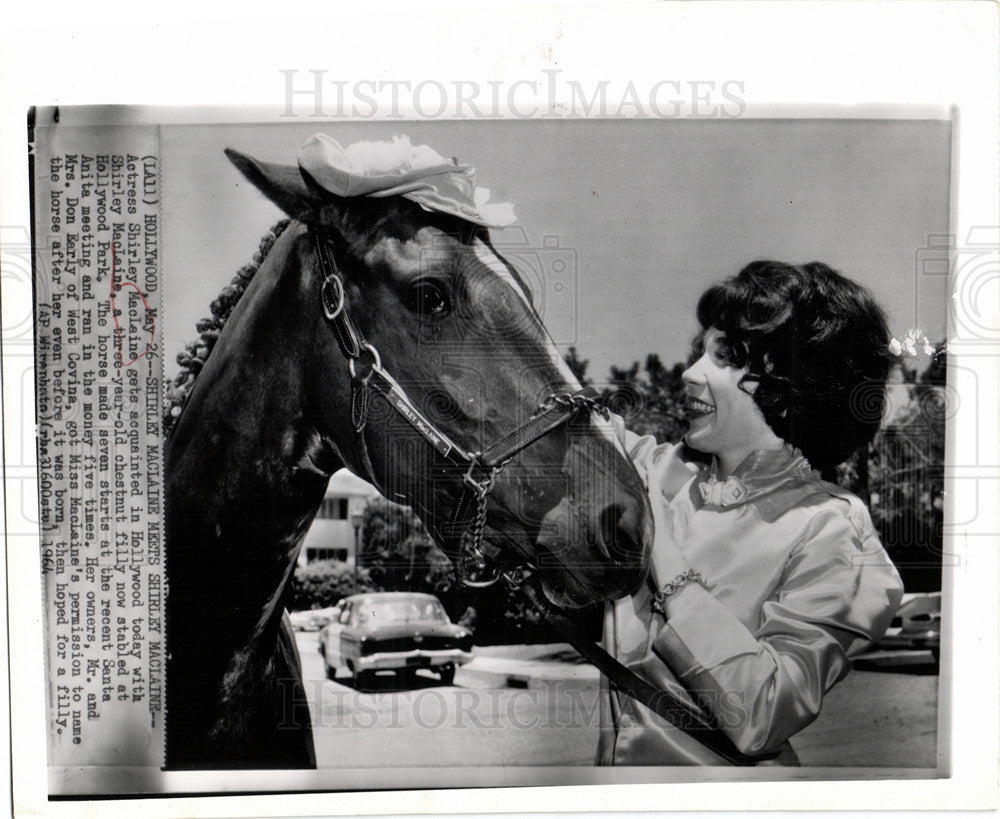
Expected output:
(763, 576)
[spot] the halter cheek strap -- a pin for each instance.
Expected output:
(332, 298)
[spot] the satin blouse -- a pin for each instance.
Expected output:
(796, 581)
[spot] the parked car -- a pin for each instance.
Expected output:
(315, 619)
(396, 631)
(917, 625)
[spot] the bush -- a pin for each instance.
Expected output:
(323, 582)
(901, 476)
(400, 554)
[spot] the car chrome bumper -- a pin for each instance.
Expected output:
(911, 641)
(418, 658)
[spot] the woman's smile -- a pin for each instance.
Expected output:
(725, 419)
(696, 408)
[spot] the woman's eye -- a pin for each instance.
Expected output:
(427, 299)
(722, 353)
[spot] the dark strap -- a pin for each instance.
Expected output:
(681, 715)
(332, 296)
(538, 427)
(521, 438)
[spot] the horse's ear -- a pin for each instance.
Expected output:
(282, 184)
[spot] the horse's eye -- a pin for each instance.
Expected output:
(427, 299)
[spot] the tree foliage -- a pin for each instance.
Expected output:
(323, 582)
(650, 400)
(400, 554)
(901, 476)
(578, 366)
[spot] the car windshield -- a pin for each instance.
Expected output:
(376, 612)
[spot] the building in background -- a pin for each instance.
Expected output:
(334, 531)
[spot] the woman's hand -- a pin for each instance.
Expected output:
(666, 476)
(671, 472)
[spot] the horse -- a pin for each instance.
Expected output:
(374, 334)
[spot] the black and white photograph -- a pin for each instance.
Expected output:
(442, 426)
(617, 436)
(622, 232)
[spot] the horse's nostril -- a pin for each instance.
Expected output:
(610, 519)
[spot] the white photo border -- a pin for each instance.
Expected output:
(846, 59)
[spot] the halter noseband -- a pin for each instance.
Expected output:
(464, 531)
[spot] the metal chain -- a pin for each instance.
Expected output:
(576, 401)
(472, 553)
(474, 562)
(478, 528)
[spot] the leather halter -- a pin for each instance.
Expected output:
(464, 530)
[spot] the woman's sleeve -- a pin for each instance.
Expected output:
(838, 591)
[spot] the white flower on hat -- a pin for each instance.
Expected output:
(496, 213)
(399, 168)
(377, 157)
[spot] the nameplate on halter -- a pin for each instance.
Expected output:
(403, 406)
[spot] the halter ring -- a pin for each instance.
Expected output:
(375, 365)
(469, 477)
(330, 310)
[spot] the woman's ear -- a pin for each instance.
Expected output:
(282, 184)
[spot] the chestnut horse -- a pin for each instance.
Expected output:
(447, 381)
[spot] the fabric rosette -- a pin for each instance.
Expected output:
(399, 168)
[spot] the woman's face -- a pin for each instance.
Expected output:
(725, 420)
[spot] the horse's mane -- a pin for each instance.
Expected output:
(196, 353)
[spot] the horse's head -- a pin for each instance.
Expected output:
(448, 325)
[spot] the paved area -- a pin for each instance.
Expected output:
(529, 666)
(884, 714)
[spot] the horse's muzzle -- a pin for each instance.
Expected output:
(593, 545)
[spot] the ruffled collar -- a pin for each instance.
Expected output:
(760, 473)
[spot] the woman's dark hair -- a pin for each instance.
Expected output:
(816, 345)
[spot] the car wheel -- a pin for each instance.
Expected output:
(363, 680)
(447, 673)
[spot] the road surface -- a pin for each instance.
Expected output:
(872, 718)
